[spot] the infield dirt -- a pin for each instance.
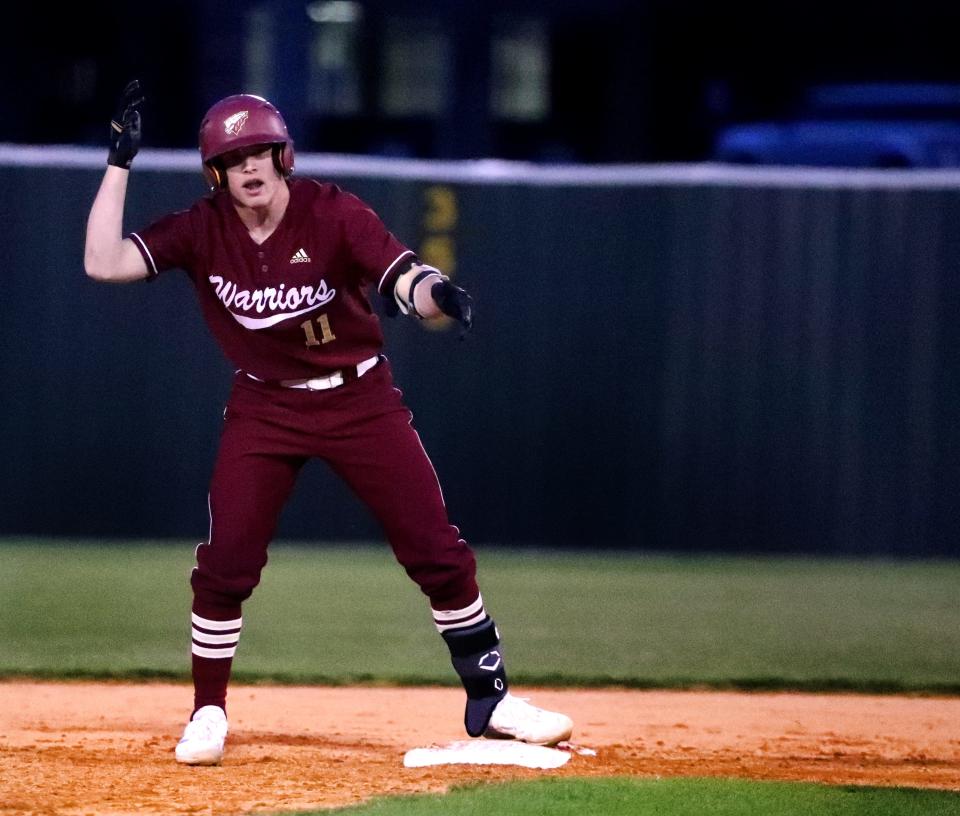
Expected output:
(107, 748)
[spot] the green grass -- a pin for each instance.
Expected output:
(348, 613)
(669, 797)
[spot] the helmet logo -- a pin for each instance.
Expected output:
(234, 124)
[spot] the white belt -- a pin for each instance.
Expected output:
(334, 380)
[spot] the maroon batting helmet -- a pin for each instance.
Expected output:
(239, 121)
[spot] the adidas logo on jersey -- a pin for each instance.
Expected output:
(300, 256)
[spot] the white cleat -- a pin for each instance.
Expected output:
(203, 738)
(515, 718)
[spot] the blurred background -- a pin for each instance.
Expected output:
(681, 344)
(561, 81)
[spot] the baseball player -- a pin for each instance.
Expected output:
(281, 269)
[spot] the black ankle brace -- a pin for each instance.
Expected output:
(478, 658)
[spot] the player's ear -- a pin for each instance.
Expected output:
(215, 175)
(283, 159)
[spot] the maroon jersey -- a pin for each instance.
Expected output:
(294, 306)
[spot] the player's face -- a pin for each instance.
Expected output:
(252, 178)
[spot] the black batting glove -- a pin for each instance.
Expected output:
(125, 127)
(454, 302)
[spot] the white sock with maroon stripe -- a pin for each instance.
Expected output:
(213, 645)
(449, 619)
(213, 638)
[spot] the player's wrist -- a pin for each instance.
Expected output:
(119, 162)
(412, 297)
(422, 301)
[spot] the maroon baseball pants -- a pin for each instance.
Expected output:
(363, 431)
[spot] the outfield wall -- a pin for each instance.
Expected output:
(686, 358)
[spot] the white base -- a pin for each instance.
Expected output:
(486, 752)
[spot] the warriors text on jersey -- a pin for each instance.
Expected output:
(293, 306)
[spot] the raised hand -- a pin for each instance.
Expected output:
(125, 127)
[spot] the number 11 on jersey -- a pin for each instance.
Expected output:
(326, 334)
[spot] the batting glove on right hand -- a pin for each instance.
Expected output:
(125, 127)
(454, 302)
